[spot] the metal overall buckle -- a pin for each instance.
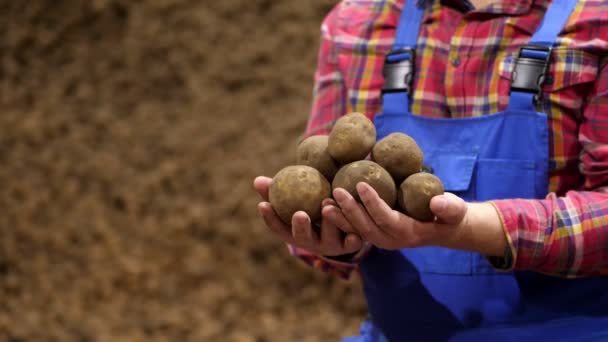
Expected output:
(398, 70)
(530, 72)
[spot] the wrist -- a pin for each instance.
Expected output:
(480, 231)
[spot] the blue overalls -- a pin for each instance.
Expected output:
(438, 294)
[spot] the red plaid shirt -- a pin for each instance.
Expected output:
(467, 58)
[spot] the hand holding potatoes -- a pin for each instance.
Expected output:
(390, 229)
(329, 240)
(300, 195)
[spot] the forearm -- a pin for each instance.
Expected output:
(563, 236)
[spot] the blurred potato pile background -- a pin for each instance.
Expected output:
(130, 133)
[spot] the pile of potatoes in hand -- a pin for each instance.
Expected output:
(340, 158)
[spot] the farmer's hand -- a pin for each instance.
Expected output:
(459, 225)
(335, 237)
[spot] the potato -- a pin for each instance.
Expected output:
(369, 172)
(415, 195)
(351, 138)
(399, 154)
(298, 187)
(312, 152)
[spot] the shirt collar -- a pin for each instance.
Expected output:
(505, 7)
(509, 7)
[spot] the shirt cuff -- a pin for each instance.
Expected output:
(505, 263)
(341, 266)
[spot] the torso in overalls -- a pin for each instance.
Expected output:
(438, 294)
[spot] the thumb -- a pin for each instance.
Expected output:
(449, 208)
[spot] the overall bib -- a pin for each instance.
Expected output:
(438, 294)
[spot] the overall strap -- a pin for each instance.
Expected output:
(409, 25)
(532, 62)
(399, 63)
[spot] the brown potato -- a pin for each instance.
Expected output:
(312, 152)
(369, 172)
(351, 138)
(415, 195)
(399, 154)
(296, 188)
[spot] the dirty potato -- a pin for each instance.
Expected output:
(368, 172)
(399, 154)
(312, 152)
(415, 195)
(351, 138)
(298, 188)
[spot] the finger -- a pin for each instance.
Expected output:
(302, 231)
(275, 224)
(328, 201)
(352, 243)
(378, 210)
(449, 208)
(359, 219)
(331, 239)
(334, 215)
(261, 185)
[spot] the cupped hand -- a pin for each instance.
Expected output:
(390, 229)
(335, 235)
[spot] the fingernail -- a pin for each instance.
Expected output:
(339, 195)
(301, 217)
(441, 204)
(362, 189)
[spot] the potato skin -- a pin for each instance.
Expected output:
(399, 154)
(415, 195)
(298, 187)
(351, 138)
(368, 172)
(312, 152)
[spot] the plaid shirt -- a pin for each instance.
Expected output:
(467, 58)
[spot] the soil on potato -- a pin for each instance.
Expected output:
(130, 133)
